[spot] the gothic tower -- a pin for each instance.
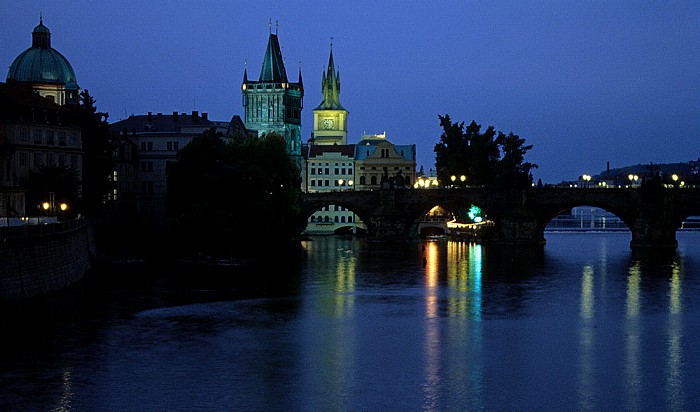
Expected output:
(330, 117)
(273, 104)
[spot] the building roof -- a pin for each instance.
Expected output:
(162, 123)
(174, 123)
(368, 145)
(41, 63)
(273, 65)
(318, 150)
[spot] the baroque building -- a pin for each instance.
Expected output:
(34, 132)
(273, 103)
(45, 70)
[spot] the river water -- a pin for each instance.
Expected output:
(584, 324)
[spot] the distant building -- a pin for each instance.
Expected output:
(34, 132)
(382, 164)
(156, 139)
(273, 103)
(330, 168)
(45, 70)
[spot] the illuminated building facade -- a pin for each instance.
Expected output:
(330, 117)
(380, 163)
(273, 104)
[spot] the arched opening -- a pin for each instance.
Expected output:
(334, 220)
(466, 222)
(586, 218)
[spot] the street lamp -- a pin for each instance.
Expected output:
(586, 178)
(463, 178)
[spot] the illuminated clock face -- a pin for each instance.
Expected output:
(328, 123)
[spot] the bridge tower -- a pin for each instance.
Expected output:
(273, 103)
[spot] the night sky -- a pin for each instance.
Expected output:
(586, 82)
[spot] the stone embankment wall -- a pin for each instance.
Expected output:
(44, 258)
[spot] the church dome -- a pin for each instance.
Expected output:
(41, 63)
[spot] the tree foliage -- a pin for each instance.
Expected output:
(237, 197)
(97, 155)
(487, 158)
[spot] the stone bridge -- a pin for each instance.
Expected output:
(653, 213)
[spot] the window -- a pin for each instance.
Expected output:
(23, 135)
(146, 187)
(173, 146)
(73, 139)
(36, 135)
(374, 180)
(22, 159)
(49, 137)
(336, 219)
(328, 171)
(336, 170)
(49, 159)
(146, 166)
(74, 161)
(313, 170)
(61, 160)
(38, 160)
(62, 138)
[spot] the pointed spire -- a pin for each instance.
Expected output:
(273, 64)
(330, 85)
(301, 83)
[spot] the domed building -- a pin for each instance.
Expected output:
(45, 70)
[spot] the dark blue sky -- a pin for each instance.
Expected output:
(586, 83)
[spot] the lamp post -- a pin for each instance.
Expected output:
(586, 179)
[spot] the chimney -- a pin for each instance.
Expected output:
(150, 117)
(205, 116)
(175, 117)
(195, 116)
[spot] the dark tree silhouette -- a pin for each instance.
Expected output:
(235, 198)
(486, 158)
(97, 156)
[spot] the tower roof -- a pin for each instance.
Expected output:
(331, 87)
(41, 63)
(273, 65)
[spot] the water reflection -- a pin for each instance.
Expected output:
(674, 373)
(586, 379)
(632, 339)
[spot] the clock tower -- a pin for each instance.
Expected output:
(330, 117)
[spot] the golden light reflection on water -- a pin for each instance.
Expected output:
(64, 404)
(462, 300)
(674, 347)
(632, 339)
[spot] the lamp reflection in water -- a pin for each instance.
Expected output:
(674, 355)
(586, 356)
(432, 339)
(632, 339)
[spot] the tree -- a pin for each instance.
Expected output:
(97, 155)
(234, 198)
(490, 158)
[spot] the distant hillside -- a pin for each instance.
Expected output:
(688, 170)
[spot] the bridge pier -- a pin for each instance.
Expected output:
(518, 229)
(653, 233)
